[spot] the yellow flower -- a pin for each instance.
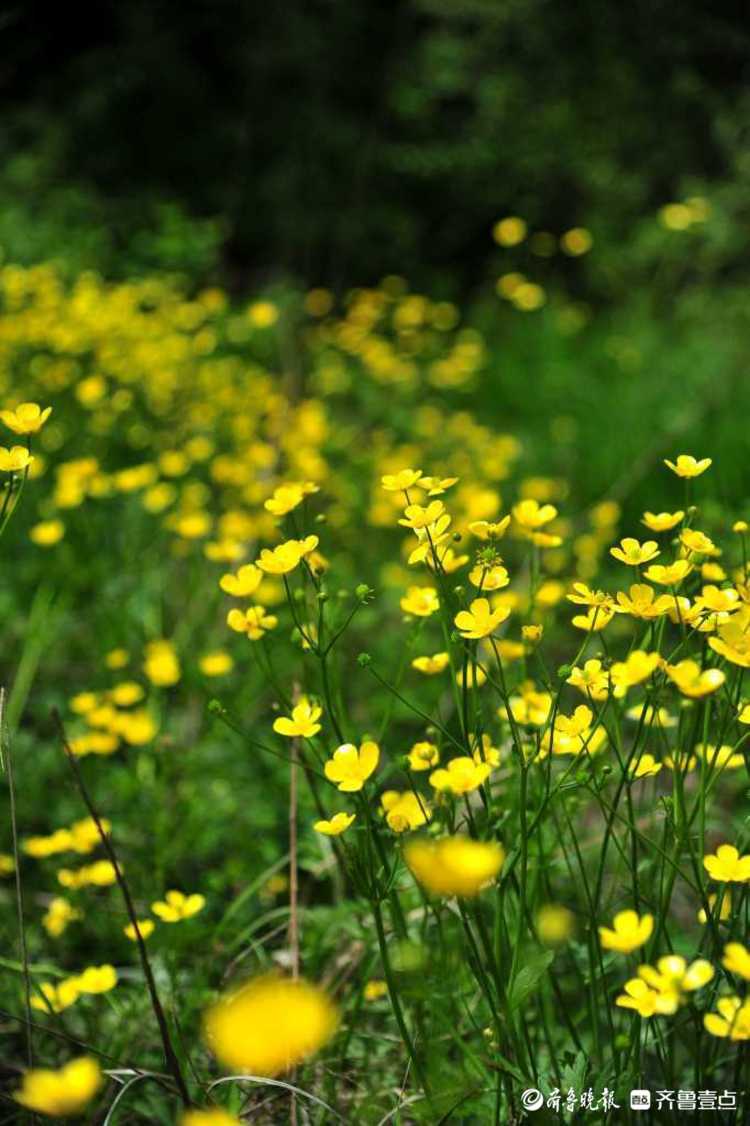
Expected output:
(421, 601)
(56, 998)
(58, 915)
(645, 767)
(726, 907)
(218, 663)
(687, 466)
(97, 979)
(733, 643)
(532, 634)
(145, 926)
(582, 595)
(423, 755)
(532, 516)
(99, 874)
(454, 865)
(633, 553)
(430, 666)
(727, 865)
(737, 959)
(720, 758)
(487, 530)
(15, 459)
(595, 619)
(509, 231)
(27, 418)
(177, 906)
(350, 766)
(460, 775)
(436, 486)
(401, 481)
(489, 578)
(628, 932)
(638, 666)
(47, 533)
(645, 1001)
(417, 517)
(244, 583)
(694, 541)
(254, 622)
(731, 1021)
(7, 864)
(269, 1025)
(375, 989)
(284, 558)
(161, 664)
(591, 680)
(304, 722)
(485, 752)
(692, 681)
(479, 620)
(404, 811)
(641, 602)
(214, 1116)
(662, 521)
(555, 924)
(337, 825)
(671, 575)
(286, 497)
(61, 1093)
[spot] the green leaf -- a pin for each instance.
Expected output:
(528, 976)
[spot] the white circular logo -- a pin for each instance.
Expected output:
(532, 1099)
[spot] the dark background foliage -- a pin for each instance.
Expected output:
(334, 141)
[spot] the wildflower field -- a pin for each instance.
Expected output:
(373, 751)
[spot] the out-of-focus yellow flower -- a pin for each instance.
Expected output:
(146, 927)
(263, 314)
(56, 998)
(737, 959)
(7, 864)
(555, 924)
(731, 1020)
(401, 481)
(213, 1116)
(576, 241)
(244, 584)
(662, 521)
(421, 601)
(337, 824)
(375, 989)
(720, 758)
(404, 811)
(161, 664)
(177, 906)
(58, 915)
(460, 775)
(660, 990)
(532, 515)
(509, 231)
(286, 497)
(726, 907)
(693, 681)
(454, 865)
(727, 866)
(217, 663)
(27, 418)
(488, 530)
(637, 667)
(97, 979)
(489, 578)
(62, 1093)
(47, 533)
(646, 766)
(435, 664)
(270, 1025)
(422, 756)
(351, 766)
(687, 466)
(303, 723)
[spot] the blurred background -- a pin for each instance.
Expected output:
(326, 144)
